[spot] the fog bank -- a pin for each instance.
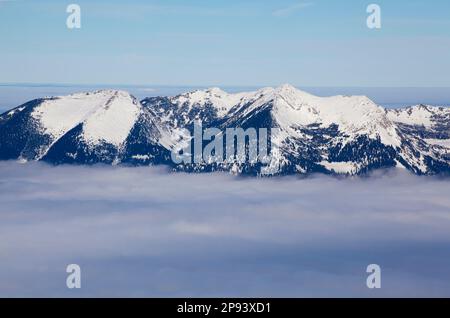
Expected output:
(149, 232)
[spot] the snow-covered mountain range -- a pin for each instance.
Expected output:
(335, 135)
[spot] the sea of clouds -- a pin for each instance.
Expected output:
(150, 232)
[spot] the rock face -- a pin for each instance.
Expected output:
(335, 135)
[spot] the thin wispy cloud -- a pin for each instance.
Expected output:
(144, 10)
(292, 9)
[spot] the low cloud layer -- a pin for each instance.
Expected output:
(150, 232)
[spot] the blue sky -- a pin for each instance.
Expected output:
(226, 43)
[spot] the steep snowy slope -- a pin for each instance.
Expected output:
(106, 116)
(334, 134)
(208, 106)
(420, 115)
(292, 107)
(80, 128)
(426, 131)
(338, 134)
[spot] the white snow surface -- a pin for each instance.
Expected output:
(439, 142)
(112, 122)
(218, 98)
(356, 115)
(107, 115)
(419, 115)
(341, 167)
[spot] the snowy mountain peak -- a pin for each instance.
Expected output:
(286, 86)
(220, 100)
(223, 102)
(106, 116)
(111, 123)
(287, 89)
(102, 93)
(216, 91)
(336, 134)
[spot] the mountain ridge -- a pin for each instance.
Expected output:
(336, 135)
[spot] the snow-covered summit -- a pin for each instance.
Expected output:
(219, 99)
(335, 134)
(419, 115)
(293, 107)
(106, 115)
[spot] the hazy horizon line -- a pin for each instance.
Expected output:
(46, 84)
